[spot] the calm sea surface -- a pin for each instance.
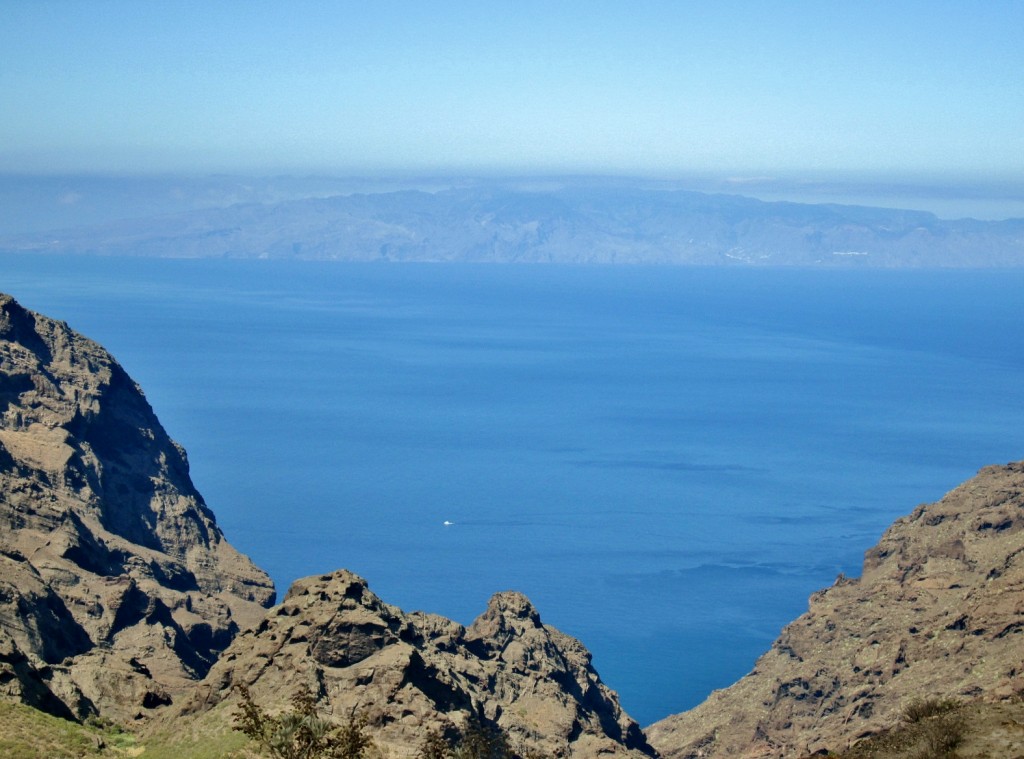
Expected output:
(666, 461)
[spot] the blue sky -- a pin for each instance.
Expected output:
(900, 89)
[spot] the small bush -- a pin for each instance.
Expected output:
(435, 746)
(923, 708)
(476, 741)
(942, 736)
(482, 742)
(300, 733)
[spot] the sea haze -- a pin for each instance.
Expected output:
(668, 461)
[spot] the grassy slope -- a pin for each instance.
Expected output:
(207, 736)
(990, 731)
(26, 733)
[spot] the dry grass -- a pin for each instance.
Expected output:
(206, 736)
(944, 730)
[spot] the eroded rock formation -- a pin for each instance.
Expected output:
(117, 588)
(410, 673)
(938, 612)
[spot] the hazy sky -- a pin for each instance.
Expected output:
(746, 88)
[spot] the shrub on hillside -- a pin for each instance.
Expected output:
(477, 741)
(942, 736)
(300, 733)
(923, 708)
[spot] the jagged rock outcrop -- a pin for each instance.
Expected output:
(117, 588)
(408, 673)
(938, 612)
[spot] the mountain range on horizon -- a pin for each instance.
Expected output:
(568, 224)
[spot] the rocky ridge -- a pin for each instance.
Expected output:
(938, 612)
(117, 588)
(410, 673)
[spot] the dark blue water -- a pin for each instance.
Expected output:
(667, 461)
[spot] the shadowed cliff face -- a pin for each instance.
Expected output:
(938, 612)
(410, 673)
(117, 587)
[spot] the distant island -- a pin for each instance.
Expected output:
(570, 224)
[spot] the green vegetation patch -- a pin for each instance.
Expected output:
(207, 736)
(27, 733)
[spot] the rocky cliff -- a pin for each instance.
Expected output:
(119, 593)
(938, 612)
(408, 674)
(117, 588)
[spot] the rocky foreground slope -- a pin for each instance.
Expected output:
(117, 588)
(938, 612)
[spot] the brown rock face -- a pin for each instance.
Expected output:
(117, 588)
(410, 673)
(938, 612)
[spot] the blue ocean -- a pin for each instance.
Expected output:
(667, 461)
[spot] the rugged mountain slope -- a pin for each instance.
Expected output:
(939, 611)
(410, 673)
(117, 588)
